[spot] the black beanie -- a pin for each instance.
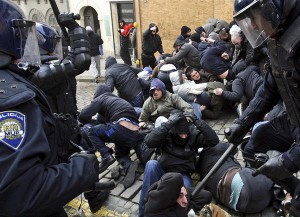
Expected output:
(184, 30)
(182, 126)
(195, 37)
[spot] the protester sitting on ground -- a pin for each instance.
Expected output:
(186, 52)
(161, 103)
(233, 185)
(120, 126)
(214, 59)
(178, 142)
(243, 87)
(169, 197)
(218, 24)
(210, 104)
(199, 76)
(124, 79)
(195, 39)
(184, 35)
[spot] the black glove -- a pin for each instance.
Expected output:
(96, 199)
(68, 20)
(274, 169)
(174, 118)
(200, 123)
(90, 157)
(237, 133)
(190, 117)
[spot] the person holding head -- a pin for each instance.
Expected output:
(161, 103)
(119, 125)
(95, 41)
(29, 135)
(276, 22)
(150, 45)
(124, 31)
(178, 142)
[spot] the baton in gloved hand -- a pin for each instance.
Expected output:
(56, 13)
(219, 163)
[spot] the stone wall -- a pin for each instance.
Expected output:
(170, 15)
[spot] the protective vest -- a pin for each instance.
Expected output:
(285, 61)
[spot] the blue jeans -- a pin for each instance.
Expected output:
(197, 111)
(152, 173)
(123, 138)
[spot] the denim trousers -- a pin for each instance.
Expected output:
(152, 173)
(123, 138)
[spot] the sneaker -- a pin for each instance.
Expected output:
(115, 172)
(130, 175)
(106, 162)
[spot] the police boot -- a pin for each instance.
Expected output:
(248, 158)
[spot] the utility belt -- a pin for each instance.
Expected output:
(224, 185)
(125, 122)
(147, 55)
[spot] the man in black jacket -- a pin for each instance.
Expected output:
(120, 127)
(179, 143)
(150, 45)
(95, 41)
(124, 79)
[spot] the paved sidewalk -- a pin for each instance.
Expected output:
(124, 202)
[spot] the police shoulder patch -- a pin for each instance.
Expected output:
(12, 129)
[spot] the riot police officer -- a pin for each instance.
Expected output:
(279, 22)
(32, 182)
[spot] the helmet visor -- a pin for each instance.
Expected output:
(255, 24)
(28, 45)
(58, 47)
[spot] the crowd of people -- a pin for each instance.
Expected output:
(250, 65)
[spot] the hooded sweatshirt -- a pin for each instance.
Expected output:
(152, 109)
(123, 78)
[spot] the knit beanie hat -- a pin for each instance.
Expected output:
(195, 37)
(199, 30)
(184, 30)
(182, 126)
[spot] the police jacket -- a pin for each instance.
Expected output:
(188, 53)
(151, 43)
(123, 78)
(246, 84)
(110, 107)
(32, 183)
(281, 82)
(178, 155)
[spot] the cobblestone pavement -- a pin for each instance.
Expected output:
(124, 202)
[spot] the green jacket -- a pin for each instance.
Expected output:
(152, 109)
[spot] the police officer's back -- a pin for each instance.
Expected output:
(32, 182)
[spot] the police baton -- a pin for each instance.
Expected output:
(219, 163)
(56, 14)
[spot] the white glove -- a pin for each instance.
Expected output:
(153, 28)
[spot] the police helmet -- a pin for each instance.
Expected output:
(18, 37)
(49, 40)
(258, 19)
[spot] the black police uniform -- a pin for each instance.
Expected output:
(31, 181)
